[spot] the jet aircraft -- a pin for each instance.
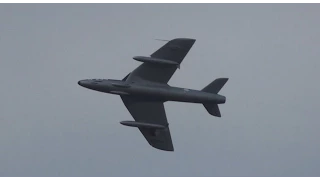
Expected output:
(145, 89)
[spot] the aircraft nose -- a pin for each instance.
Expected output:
(83, 83)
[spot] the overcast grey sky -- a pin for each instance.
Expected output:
(50, 126)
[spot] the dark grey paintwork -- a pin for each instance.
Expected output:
(142, 125)
(155, 60)
(145, 89)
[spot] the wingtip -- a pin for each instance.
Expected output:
(170, 149)
(177, 39)
(185, 39)
(163, 148)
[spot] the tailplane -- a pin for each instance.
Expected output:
(212, 109)
(214, 87)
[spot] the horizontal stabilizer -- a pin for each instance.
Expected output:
(215, 86)
(212, 109)
(142, 125)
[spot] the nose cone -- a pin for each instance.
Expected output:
(84, 83)
(80, 83)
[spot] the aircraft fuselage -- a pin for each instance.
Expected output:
(151, 91)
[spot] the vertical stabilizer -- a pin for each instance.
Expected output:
(215, 86)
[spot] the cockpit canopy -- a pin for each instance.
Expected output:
(97, 80)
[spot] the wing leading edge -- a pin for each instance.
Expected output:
(153, 113)
(174, 50)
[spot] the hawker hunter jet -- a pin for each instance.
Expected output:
(145, 89)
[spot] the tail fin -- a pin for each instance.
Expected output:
(212, 109)
(214, 87)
